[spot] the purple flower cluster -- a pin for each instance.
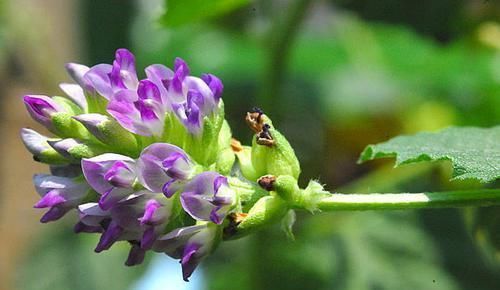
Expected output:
(157, 197)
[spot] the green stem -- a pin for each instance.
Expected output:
(392, 201)
(280, 41)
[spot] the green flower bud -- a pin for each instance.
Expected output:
(41, 150)
(226, 157)
(75, 150)
(266, 211)
(248, 193)
(204, 149)
(272, 154)
(287, 188)
(225, 161)
(244, 154)
(109, 132)
(68, 105)
(66, 126)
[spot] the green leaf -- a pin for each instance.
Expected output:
(181, 12)
(474, 152)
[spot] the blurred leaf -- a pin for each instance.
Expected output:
(485, 226)
(181, 12)
(474, 152)
(390, 251)
(61, 260)
(342, 251)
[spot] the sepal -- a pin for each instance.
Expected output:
(108, 131)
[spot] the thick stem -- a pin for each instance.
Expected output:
(392, 201)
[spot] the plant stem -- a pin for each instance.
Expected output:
(280, 41)
(393, 201)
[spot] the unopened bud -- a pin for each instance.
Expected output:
(266, 211)
(75, 150)
(271, 152)
(109, 132)
(41, 150)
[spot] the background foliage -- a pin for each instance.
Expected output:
(335, 76)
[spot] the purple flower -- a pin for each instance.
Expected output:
(98, 77)
(118, 227)
(107, 79)
(59, 194)
(75, 93)
(141, 112)
(92, 218)
(164, 167)
(65, 146)
(111, 175)
(38, 145)
(192, 99)
(92, 123)
(127, 199)
(123, 74)
(156, 213)
(158, 74)
(190, 244)
(136, 254)
(141, 217)
(208, 197)
(41, 108)
(215, 85)
(77, 73)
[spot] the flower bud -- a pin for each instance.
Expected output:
(75, 150)
(271, 153)
(208, 197)
(190, 244)
(75, 93)
(67, 127)
(244, 154)
(59, 194)
(112, 176)
(108, 131)
(266, 211)
(204, 148)
(77, 73)
(41, 150)
(225, 161)
(225, 157)
(42, 108)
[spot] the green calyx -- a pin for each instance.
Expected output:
(271, 153)
(265, 212)
(96, 103)
(206, 147)
(67, 127)
(50, 156)
(85, 150)
(115, 136)
(276, 159)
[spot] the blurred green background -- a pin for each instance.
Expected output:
(334, 76)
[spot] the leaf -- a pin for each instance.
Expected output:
(474, 152)
(181, 12)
